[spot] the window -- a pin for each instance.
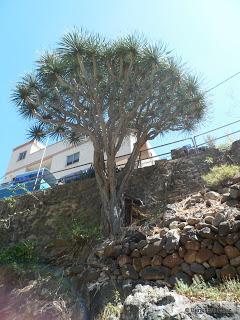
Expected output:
(22, 155)
(72, 158)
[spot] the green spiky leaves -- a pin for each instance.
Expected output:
(90, 86)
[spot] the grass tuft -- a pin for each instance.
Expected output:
(220, 174)
(228, 290)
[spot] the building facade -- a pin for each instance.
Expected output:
(62, 159)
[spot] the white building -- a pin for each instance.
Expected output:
(63, 159)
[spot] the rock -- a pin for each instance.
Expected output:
(153, 303)
(231, 238)
(234, 193)
(206, 233)
(171, 261)
(231, 252)
(219, 217)
(132, 246)
(113, 250)
(228, 272)
(225, 197)
(174, 225)
(140, 304)
(135, 236)
(235, 261)
(168, 217)
(190, 256)
(209, 219)
(171, 240)
(145, 261)
(212, 195)
(237, 244)
(155, 273)
(186, 268)
(192, 245)
(236, 226)
(209, 274)
(197, 268)
(90, 275)
(181, 225)
(156, 261)
(181, 252)
(180, 276)
(151, 249)
(137, 264)
(217, 248)
(141, 244)
(123, 259)
(209, 310)
(128, 272)
(218, 261)
(192, 221)
(236, 178)
(135, 253)
(207, 243)
(224, 229)
(203, 255)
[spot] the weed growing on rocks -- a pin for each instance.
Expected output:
(23, 252)
(200, 290)
(220, 174)
(112, 310)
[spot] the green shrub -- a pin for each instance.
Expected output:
(10, 202)
(220, 174)
(82, 230)
(199, 289)
(79, 228)
(23, 252)
(112, 310)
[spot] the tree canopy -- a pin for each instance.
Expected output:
(105, 90)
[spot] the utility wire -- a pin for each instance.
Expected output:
(222, 82)
(210, 89)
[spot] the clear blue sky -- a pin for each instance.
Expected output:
(204, 33)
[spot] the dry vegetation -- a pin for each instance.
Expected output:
(220, 174)
(229, 290)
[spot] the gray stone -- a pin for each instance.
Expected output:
(168, 217)
(152, 303)
(219, 217)
(151, 249)
(140, 305)
(235, 262)
(237, 244)
(128, 272)
(171, 240)
(209, 274)
(234, 193)
(197, 268)
(180, 276)
(236, 226)
(186, 268)
(224, 228)
(155, 273)
(212, 195)
(206, 233)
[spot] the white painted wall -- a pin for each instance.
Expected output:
(56, 157)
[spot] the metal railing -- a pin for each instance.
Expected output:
(145, 154)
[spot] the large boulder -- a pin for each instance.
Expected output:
(171, 240)
(153, 303)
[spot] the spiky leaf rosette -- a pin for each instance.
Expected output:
(92, 87)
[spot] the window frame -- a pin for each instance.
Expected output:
(22, 155)
(72, 158)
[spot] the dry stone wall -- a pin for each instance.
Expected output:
(37, 216)
(201, 236)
